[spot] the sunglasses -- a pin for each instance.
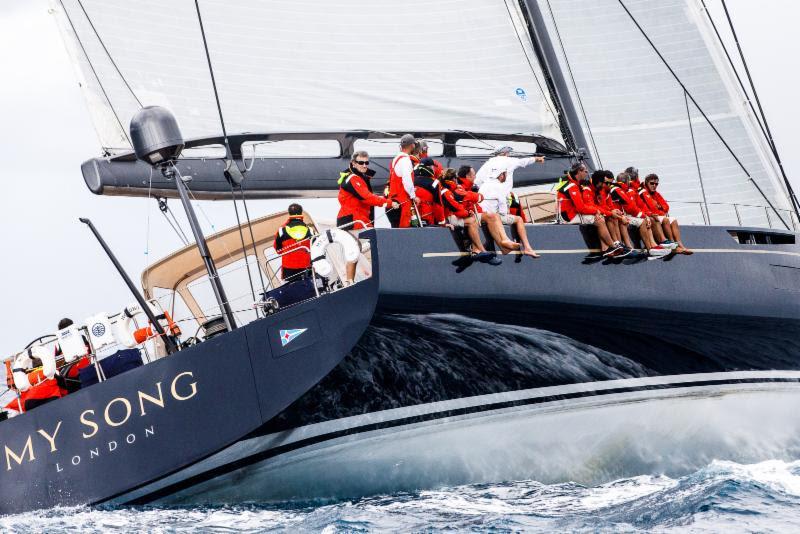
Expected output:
(361, 162)
(653, 182)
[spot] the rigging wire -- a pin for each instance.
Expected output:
(213, 79)
(574, 84)
(111, 59)
(707, 216)
(252, 238)
(147, 216)
(244, 248)
(533, 70)
(162, 206)
(94, 72)
(768, 133)
(703, 113)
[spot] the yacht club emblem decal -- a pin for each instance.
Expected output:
(287, 336)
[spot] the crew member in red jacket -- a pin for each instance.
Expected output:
(578, 208)
(428, 190)
(294, 237)
(625, 198)
(616, 220)
(515, 208)
(422, 153)
(660, 210)
(637, 187)
(401, 183)
(357, 201)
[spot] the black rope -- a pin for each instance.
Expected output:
(703, 113)
(244, 249)
(697, 159)
(213, 80)
(574, 84)
(111, 59)
(768, 133)
(530, 64)
(89, 61)
(252, 239)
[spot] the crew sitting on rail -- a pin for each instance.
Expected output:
(466, 178)
(660, 210)
(636, 188)
(458, 205)
(401, 183)
(495, 202)
(615, 219)
(72, 370)
(293, 240)
(574, 208)
(428, 190)
(623, 196)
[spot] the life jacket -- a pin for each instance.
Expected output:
(396, 190)
(428, 190)
(567, 206)
(294, 234)
(356, 199)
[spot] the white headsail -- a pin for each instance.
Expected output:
(637, 112)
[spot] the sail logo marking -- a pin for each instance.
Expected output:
(287, 336)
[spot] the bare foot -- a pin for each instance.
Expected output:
(683, 250)
(508, 246)
(530, 252)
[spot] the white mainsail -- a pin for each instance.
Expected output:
(310, 66)
(637, 112)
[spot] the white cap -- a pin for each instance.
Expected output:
(494, 172)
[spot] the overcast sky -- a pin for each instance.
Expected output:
(51, 266)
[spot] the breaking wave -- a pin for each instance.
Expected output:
(723, 496)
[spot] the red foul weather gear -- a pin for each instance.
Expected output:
(356, 200)
(293, 235)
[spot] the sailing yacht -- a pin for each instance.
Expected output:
(431, 369)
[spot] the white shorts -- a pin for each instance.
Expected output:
(660, 218)
(582, 219)
(508, 219)
(636, 222)
(458, 222)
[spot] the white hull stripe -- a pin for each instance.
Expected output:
(596, 250)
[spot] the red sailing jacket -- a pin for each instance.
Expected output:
(515, 208)
(572, 202)
(356, 200)
(626, 200)
(654, 202)
(46, 389)
(607, 201)
(428, 190)
(467, 186)
(635, 190)
(590, 198)
(458, 202)
(292, 235)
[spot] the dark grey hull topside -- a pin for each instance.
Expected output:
(429, 328)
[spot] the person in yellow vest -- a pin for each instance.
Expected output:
(293, 240)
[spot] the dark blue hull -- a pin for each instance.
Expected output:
(450, 341)
(449, 332)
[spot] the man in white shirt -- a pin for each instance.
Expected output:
(502, 160)
(495, 200)
(401, 184)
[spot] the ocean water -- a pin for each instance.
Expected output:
(721, 497)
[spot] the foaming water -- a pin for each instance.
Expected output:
(723, 496)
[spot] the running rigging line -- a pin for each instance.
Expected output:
(94, 72)
(703, 113)
(707, 216)
(768, 134)
(761, 118)
(574, 84)
(111, 59)
(230, 160)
